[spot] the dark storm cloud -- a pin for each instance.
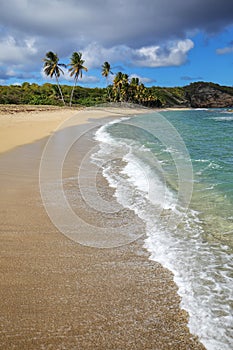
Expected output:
(109, 22)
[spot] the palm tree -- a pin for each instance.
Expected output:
(118, 81)
(52, 67)
(106, 70)
(76, 64)
(134, 81)
(125, 87)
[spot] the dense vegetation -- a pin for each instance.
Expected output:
(48, 94)
(122, 91)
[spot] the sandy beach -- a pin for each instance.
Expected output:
(56, 293)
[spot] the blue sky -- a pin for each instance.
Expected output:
(163, 42)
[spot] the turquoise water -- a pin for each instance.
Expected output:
(175, 172)
(208, 136)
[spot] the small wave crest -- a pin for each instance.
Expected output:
(223, 119)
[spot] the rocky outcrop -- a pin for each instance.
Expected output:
(208, 95)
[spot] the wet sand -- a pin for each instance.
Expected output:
(58, 294)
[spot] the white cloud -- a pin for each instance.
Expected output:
(43, 75)
(95, 54)
(174, 54)
(224, 50)
(16, 52)
(190, 78)
(89, 79)
(10, 72)
(17, 84)
(143, 80)
(30, 45)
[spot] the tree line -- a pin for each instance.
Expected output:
(198, 94)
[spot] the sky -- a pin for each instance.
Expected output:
(162, 42)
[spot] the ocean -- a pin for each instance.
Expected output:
(174, 169)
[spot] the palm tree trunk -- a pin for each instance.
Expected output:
(119, 93)
(59, 88)
(108, 92)
(72, 92)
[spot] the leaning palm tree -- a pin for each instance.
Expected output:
(52, 67)
(76, 68)
(106, 70)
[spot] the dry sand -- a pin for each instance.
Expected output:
(57, 294)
